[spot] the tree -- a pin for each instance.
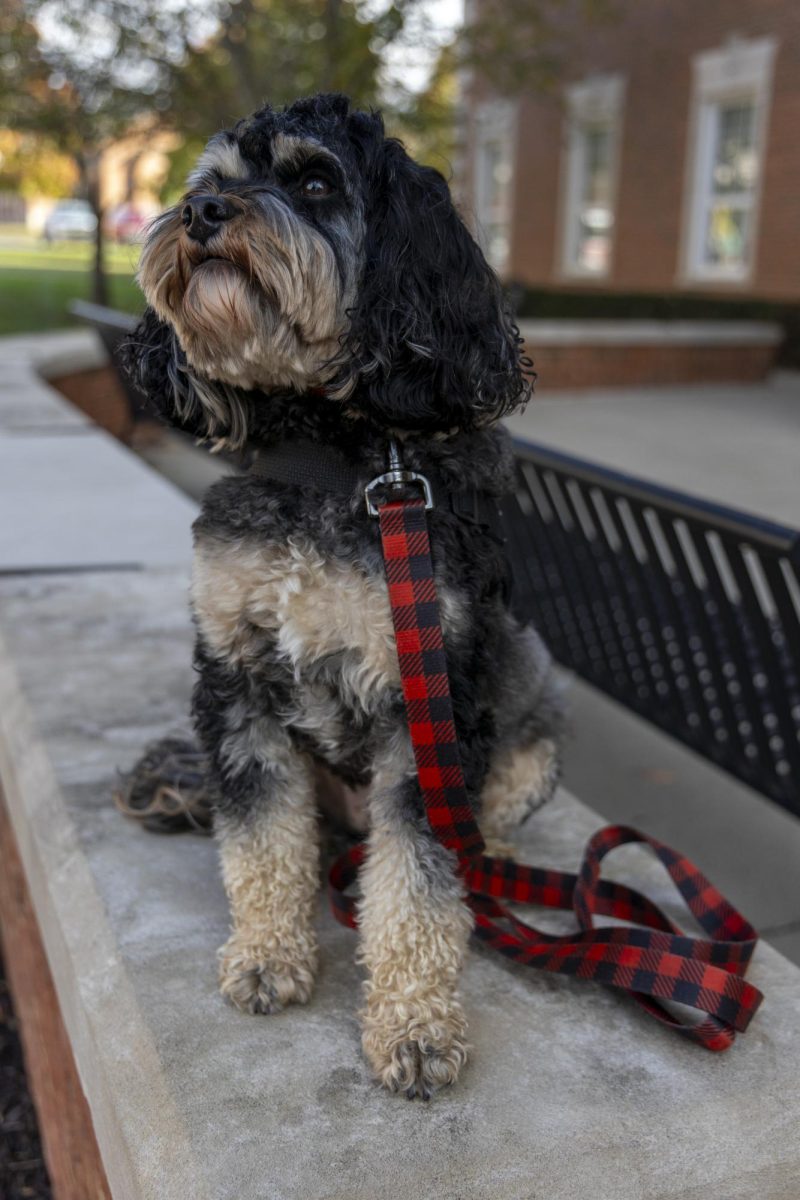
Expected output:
(523, 45)
(426, 120)
(80, 74)
(277, 50)
(31, 166)
(83, 72)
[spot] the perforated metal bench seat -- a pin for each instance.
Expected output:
(686, 612)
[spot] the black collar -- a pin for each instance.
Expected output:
(300, 462)
(314, 466)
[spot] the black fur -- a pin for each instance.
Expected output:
(431, 343)
(154, 361)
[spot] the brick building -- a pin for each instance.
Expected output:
(669, 162)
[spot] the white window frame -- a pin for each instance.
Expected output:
(739, 72)
(597, 102)
(495, 121)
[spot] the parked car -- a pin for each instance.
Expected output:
(70, 219)
(125, 223)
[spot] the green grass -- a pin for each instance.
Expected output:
(67, 256)
(37, 283)
(35, 300)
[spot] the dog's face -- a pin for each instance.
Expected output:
(311, 253)
(256, 267)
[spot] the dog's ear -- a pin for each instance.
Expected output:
(431, 344)
(153, 360)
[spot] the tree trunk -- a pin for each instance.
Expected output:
(90, 177)
(99, 281)
(331, 70)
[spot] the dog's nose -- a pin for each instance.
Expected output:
(203, 215)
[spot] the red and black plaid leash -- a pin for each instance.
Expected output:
(653, 961)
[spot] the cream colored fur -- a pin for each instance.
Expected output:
(314, 606)
(270, 868)
(520, 777)
(270, 282)
(414, 933)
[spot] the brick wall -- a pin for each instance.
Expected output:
(652, 43)
(560, 367)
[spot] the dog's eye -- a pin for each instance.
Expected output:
(315, 187)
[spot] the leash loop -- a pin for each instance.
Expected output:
(650, 957)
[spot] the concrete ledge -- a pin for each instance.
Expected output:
(571, 1091)
(662, 333)
(80, 350)
(86, 502)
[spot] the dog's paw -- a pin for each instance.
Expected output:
(497, 847)
(415, 1049)
(420, 1068)
(258, 981)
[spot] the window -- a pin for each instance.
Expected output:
(494, 170)
(728, 130)
(594, 117)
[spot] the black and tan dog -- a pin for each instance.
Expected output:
(315, 282)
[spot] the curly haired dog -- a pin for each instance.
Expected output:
(317, 283)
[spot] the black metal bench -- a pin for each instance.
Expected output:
(686, 612)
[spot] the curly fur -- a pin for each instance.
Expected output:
(416, 333)
(362, 310)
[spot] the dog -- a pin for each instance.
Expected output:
(315, 282)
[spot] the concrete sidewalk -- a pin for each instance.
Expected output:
(738, 445)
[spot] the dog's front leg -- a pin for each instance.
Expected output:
(414, 928)
(269, 849)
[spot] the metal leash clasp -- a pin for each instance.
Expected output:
(396, 478)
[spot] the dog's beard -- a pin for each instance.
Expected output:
(261, 305)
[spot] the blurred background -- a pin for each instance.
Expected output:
(618, 159)
(104, 106)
